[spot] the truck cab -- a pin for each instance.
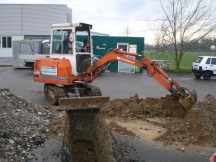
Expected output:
(64, 45)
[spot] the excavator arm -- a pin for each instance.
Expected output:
(186, 97)
(152, 68)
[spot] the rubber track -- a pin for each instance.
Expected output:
(57, 91)
(92, 90)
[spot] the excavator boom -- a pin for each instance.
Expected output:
(187, 98)
(153, 69)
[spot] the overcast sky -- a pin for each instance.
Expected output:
(110, 16)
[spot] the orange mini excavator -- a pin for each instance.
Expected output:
(71, 68)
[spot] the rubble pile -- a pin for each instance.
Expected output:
(24, 126)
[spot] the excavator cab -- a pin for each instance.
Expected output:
(65, 45)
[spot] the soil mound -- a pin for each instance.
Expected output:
(196, 126)
(137, 108)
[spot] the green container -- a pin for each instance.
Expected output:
(103, 44)
(137, 69)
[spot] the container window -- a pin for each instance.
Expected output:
(3, 42)
(6, 42)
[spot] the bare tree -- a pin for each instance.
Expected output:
(185, 22)
(127, 31)
(159, 47)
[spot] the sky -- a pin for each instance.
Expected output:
(111, 16)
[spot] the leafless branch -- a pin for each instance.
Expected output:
(185, 22)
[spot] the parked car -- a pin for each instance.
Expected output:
(204, 66)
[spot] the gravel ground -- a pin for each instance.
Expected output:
(24, 126)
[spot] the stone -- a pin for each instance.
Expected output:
(11, 141)
(38, 140)
(6, 134)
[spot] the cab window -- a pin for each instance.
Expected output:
(84, 41)
(61, 43)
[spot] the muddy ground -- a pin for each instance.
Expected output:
(165, 119)
(25, 126)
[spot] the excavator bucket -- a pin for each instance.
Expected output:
(86, 135)
(190, 100)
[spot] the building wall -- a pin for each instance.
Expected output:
(11, 20)
(102, 44)
(22, 20)
(31, 19)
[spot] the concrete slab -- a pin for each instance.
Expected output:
(4, 62)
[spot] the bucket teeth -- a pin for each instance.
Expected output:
(190, 100)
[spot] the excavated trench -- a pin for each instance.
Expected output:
(88, 139)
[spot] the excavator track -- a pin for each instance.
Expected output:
(53, 92)
(91, 90)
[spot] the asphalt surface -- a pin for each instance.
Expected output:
(118, 85)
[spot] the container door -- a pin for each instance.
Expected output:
(123, 67)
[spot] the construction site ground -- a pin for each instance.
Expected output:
(143, 116)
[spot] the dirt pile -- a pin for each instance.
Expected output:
(196, 126)
(24, 126)
(137, 108)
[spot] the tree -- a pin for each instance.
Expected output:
(127, 31)
(184, 24)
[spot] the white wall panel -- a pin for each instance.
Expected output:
(31, 19)
(37, 19)
(10, 19)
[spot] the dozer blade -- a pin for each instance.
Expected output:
(190, 100)
(81, 103)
